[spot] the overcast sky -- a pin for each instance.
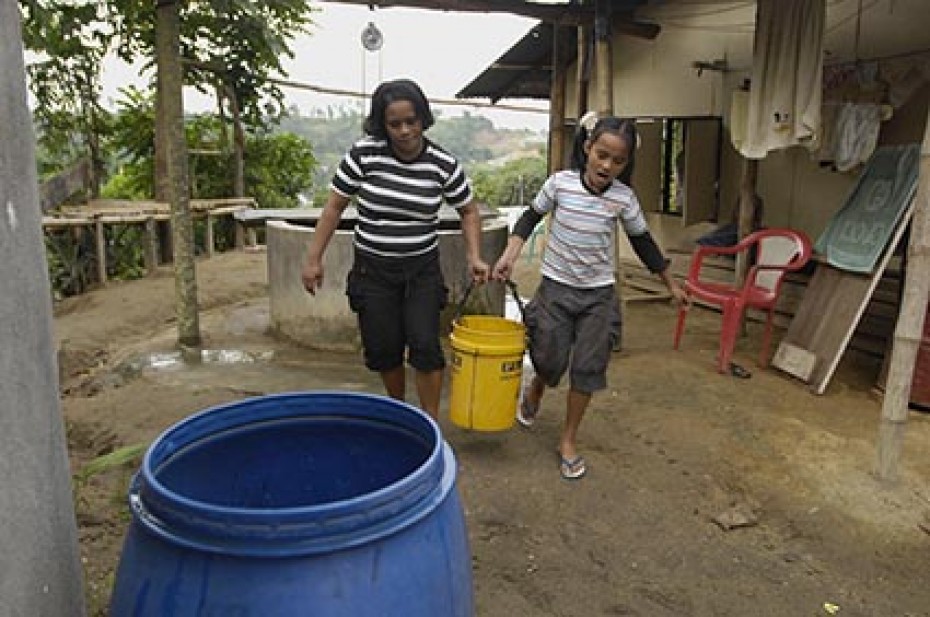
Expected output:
(442, 51)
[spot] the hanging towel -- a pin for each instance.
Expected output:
(787, 71)
(857, 128)
(739, 109)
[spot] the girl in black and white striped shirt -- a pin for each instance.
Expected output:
(399, 179)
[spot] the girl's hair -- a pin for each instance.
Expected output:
(624, 128)
(392, 91)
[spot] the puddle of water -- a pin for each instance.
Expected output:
(255, 372)
(176, 360)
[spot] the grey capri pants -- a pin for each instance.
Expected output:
(572, 329)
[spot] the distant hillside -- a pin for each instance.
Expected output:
(472, 138)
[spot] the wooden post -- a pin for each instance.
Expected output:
(150, 249)
(239, 230)
(238, 144)
(557, 101)
(602, 53)
(907, 334)
(583, 78)
(208, 240)
(101, 243)
(168, 61)
(605, 107)
(747, 198)
(161, 181)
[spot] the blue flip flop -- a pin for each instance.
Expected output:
(572, 469)
(738, 371)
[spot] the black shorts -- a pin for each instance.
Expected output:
(398, 302)
(573, 330)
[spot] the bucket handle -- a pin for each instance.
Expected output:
(471, 285)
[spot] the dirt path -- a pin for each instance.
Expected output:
(676, 454)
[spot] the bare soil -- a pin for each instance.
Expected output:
(705, 494)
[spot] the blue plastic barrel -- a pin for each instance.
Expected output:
(308, 503)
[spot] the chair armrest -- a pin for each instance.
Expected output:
(703, 250)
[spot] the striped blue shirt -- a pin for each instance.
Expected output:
(579, 249)
(398, 202)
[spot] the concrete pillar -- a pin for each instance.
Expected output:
(41, 572)
(324, 321)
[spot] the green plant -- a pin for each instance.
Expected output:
(113, 460)
(514, 183)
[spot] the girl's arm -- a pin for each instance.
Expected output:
(522, 229)
(678, 294)
(503, 269)
(649, 253)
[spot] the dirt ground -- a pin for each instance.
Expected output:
(705, 494)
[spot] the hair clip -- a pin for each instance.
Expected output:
(588, 120)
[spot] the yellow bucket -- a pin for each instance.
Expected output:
(487, 370)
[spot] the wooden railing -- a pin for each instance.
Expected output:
(96, 215)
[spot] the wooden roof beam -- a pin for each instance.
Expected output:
(626, 23)
(623, 22)
(566, 14)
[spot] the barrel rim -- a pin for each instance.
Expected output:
(297, 530)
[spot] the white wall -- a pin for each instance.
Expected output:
(657, 78)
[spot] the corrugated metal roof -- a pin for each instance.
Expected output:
(525, 70)
(522, 72)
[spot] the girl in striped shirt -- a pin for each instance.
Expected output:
(573, 320)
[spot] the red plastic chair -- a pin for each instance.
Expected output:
(776, 252)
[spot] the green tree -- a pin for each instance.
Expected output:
(235, 47)
(230, 47)
(331, 135)
(237, 43)
(65, 80)
(460, 135)
(132, 145)
(279, 165)
(513, 184)
(279, 168)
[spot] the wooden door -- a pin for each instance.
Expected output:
(702, 156)
(647, 174)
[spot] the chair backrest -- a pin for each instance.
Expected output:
(787, 249)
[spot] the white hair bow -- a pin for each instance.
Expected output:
(588, 120)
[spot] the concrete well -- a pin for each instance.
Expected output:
(324, 321)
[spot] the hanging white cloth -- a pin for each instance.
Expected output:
(787, 72)
(857, 128)
(739, 114)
